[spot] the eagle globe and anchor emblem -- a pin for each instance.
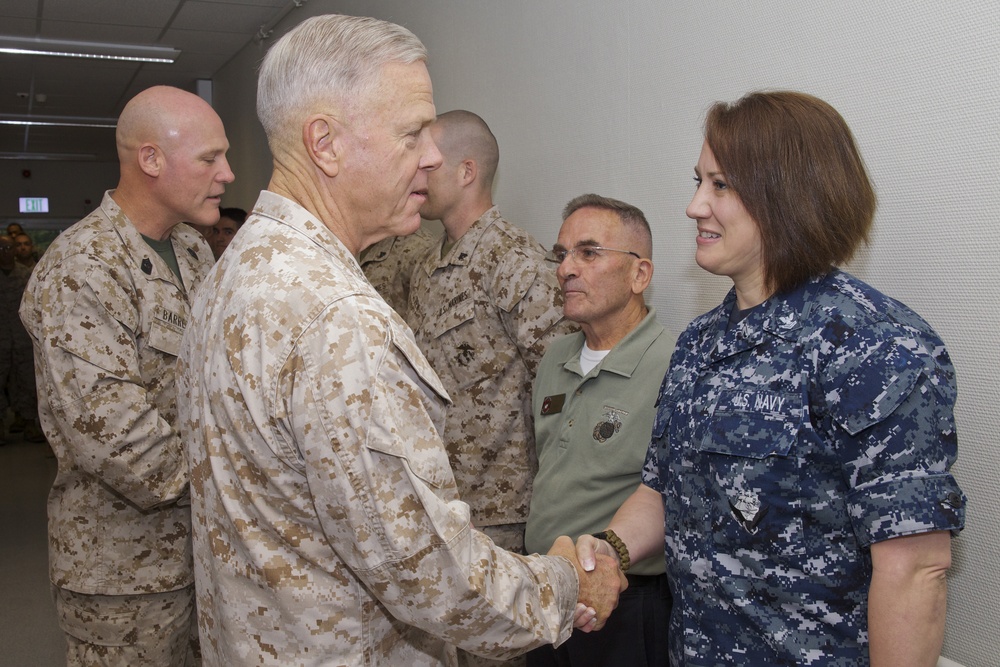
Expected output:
(610, 424)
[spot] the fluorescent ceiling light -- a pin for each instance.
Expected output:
(68, 157)
(40, 46)
(58, 121)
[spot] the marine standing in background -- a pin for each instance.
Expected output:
(484, 305)
(106, 307)
(222, 233)
(389, 265)
(17, 371)
(24, 251)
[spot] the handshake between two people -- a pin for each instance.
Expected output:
(601, 579)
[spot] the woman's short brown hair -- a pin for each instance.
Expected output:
(793, 162)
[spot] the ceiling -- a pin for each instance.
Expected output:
(208, 34)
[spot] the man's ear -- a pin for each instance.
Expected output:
(468, 172)
(321, 136)
(643, 275)
(150, 159)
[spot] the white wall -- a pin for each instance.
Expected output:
(609, 97)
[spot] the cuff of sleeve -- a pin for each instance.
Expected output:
(909, 506)
(565, 587)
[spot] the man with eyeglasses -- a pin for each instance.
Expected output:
(593, 410)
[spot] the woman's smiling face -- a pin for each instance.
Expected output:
(729, 241)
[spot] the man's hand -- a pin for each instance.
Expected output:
(599, 588)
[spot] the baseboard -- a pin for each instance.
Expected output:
(945, 662)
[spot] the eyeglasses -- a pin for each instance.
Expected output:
(583, 253)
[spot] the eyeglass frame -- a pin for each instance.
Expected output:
(552, 255)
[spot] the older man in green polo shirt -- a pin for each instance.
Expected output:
(593, 413)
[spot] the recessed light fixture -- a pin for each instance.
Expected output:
(66, 157)
(39, 46)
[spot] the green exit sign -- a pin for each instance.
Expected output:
(33, 204)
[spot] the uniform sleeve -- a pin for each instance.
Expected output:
(94, 388)
(677, 375)
(386, 497)
(891, 398)
(530, 304)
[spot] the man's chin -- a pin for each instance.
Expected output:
(205, 218)
(408, 227)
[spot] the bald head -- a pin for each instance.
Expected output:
(172, 149)
(158, 115)
(462, 135)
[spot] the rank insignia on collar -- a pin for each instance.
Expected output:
(749, 511)
(787, 321)
(610, 424)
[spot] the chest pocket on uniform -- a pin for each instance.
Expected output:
(166, 330)
(748, 443)
(452, 317)
(461, 350)
(753, 424)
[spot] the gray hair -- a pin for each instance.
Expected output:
(327, 57)
(631, 217)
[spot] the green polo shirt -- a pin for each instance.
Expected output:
(592, 432)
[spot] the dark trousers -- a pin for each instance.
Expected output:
(634, 636)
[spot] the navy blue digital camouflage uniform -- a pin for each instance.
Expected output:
(784, 446)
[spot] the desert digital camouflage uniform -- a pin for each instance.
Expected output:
(17, 370)
(162, 623)
(389, 263)
(785, 445)
(327, 526)
(106, 314)
(484, 315)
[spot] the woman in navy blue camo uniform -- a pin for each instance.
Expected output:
(799, 459)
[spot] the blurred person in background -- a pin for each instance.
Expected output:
(222, 233)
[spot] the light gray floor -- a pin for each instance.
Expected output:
(29, 634)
